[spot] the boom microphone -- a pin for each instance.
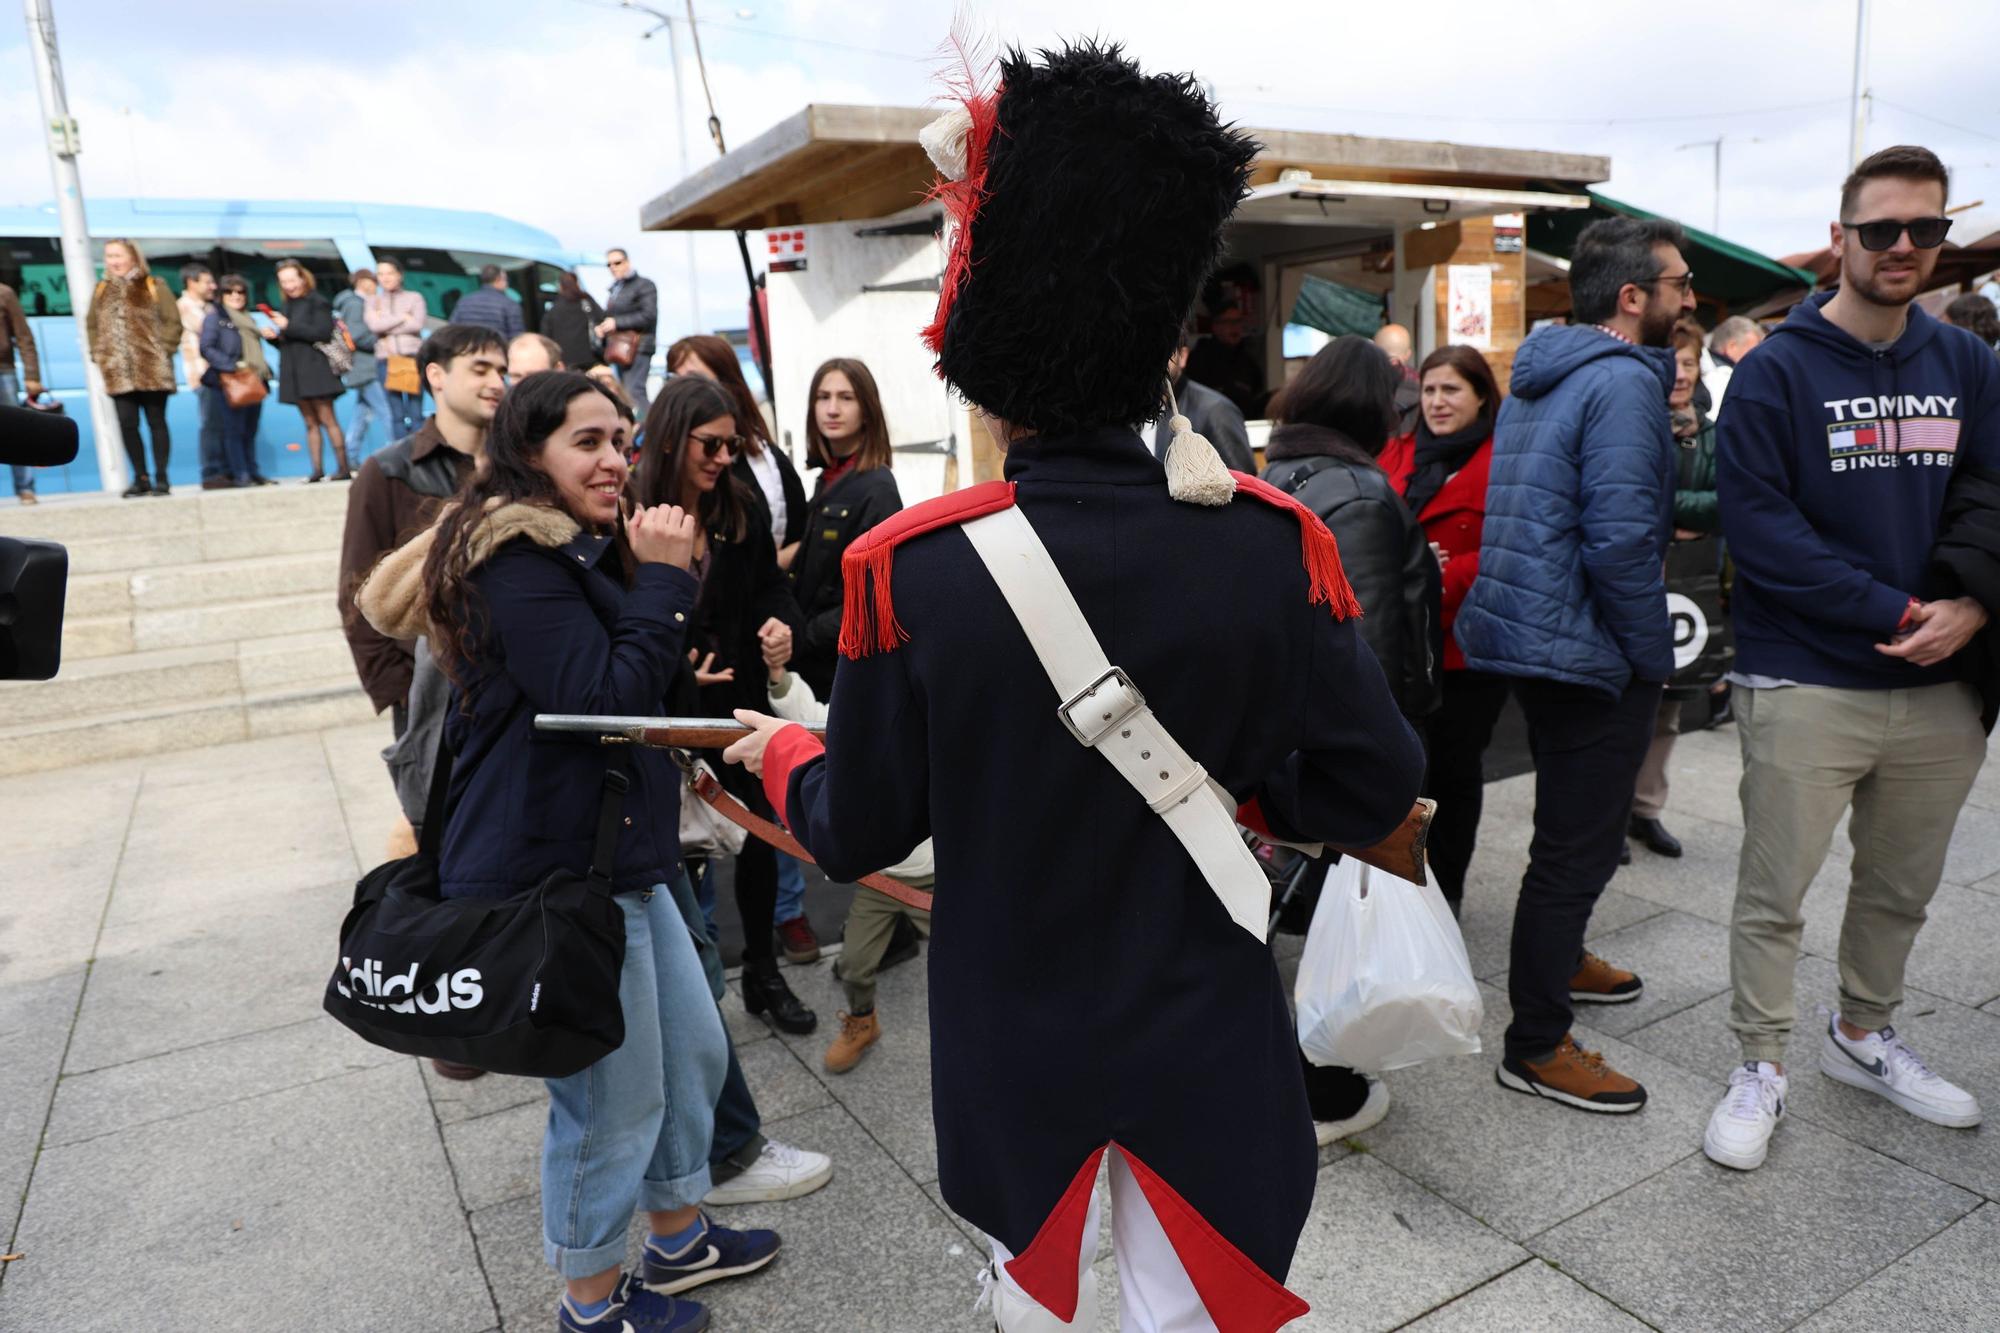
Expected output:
(36, 439)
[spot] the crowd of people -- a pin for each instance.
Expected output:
(552, 538)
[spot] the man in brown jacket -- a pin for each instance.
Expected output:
(398, 490)
(15, 334)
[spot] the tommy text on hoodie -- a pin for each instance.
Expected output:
(1832, 460)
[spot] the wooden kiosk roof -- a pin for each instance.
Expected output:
(846, 163)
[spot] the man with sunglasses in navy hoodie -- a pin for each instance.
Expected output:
(1842, 433)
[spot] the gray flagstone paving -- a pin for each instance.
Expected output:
(186, 1141)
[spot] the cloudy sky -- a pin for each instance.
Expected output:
(560, 114)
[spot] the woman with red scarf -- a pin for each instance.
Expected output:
(1440, 468)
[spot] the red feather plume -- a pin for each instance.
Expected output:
(961, 198)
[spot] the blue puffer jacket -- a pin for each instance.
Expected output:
(1578, 515)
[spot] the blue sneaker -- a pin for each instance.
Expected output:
(634, 1309)
(717, 1253)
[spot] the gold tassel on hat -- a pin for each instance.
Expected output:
(1195, 472)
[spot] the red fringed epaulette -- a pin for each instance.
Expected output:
(1326, 578)
(868, 614)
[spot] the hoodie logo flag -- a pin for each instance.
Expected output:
(1920, 435)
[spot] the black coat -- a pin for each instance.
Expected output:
(795, 493)
(303, 371)
(1384, 551)
(1965, 562)
(1214, 418)
(1085, 982)
(635, 304)
(562, 634)
(570, 324)
(837, 515)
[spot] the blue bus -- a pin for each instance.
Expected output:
(441, 251)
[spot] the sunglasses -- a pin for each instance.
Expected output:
(1925, 233)
(711, 445)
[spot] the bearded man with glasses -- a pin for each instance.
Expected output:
(1571, 601)
(1852, 476)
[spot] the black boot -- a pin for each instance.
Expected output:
(766, 995)
(1654, 835)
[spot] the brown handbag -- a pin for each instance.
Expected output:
(242, 388)
(402, 376)
(621, 347)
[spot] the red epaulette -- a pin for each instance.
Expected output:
(868, 614)
(1326, 578)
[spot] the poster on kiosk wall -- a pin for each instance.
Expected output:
(1469, 305)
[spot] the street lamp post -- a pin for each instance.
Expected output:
(78, 270)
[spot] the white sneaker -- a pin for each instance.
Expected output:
(780, 1172)
(1883, 1063)
(1369, 1116)
(1739, 1130)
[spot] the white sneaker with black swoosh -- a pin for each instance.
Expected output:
(1884, 1064)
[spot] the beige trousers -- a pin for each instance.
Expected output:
(1649, 796)
(1904, 760)
(871, 919)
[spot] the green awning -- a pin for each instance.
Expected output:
(1336, 308)
(1725, 273)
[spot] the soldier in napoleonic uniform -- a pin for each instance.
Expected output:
(1089, 990)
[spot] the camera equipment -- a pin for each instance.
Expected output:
(33, 575)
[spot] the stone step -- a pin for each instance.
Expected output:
(88, 687)
(309, 532)
(79, 519)
(295, 661)
(124, 682)
(38, 746)
(218, 581)
(222, 622)
(85, 637)
(98, 595)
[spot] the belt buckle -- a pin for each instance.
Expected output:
(1090, 740)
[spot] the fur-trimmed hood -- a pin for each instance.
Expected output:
(392, 596)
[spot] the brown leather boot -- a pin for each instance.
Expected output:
(1574, 1077)
(857, 1033)
(1598, 982)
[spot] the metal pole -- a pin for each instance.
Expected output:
(680, 119)
(1857, 97)
(1715, 214)
(78, 270)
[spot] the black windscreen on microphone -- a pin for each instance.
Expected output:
(36, 439)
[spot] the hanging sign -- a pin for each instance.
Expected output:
(786, 250)
(1508, 229)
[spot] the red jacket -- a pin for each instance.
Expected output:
(1452, 519)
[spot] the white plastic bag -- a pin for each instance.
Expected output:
(1384, 982)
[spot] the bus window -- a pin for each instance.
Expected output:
(442, 276)
(255, 261)
(33, 267)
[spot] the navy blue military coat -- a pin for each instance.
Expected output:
(1087, 987)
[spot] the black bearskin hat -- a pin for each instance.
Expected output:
(1089, 201)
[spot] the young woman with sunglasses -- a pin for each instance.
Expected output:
(692, 439)
(762, 466)
(848, 440)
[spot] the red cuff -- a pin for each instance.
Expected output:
(789, 748)
(1251, 816)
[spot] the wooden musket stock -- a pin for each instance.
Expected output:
(1402, 853)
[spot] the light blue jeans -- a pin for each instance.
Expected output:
(632, 1132)
(371, 401)
(791, 889)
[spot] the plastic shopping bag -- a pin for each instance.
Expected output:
(1384, 982)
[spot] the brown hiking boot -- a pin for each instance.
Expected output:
(857, 1033)
(1598, 982)
(1574, 1077)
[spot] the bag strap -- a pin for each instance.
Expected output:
(1104, 710)
(432, 838)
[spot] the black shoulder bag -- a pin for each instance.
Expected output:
(526, 985)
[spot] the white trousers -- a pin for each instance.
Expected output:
(1154, 1293)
